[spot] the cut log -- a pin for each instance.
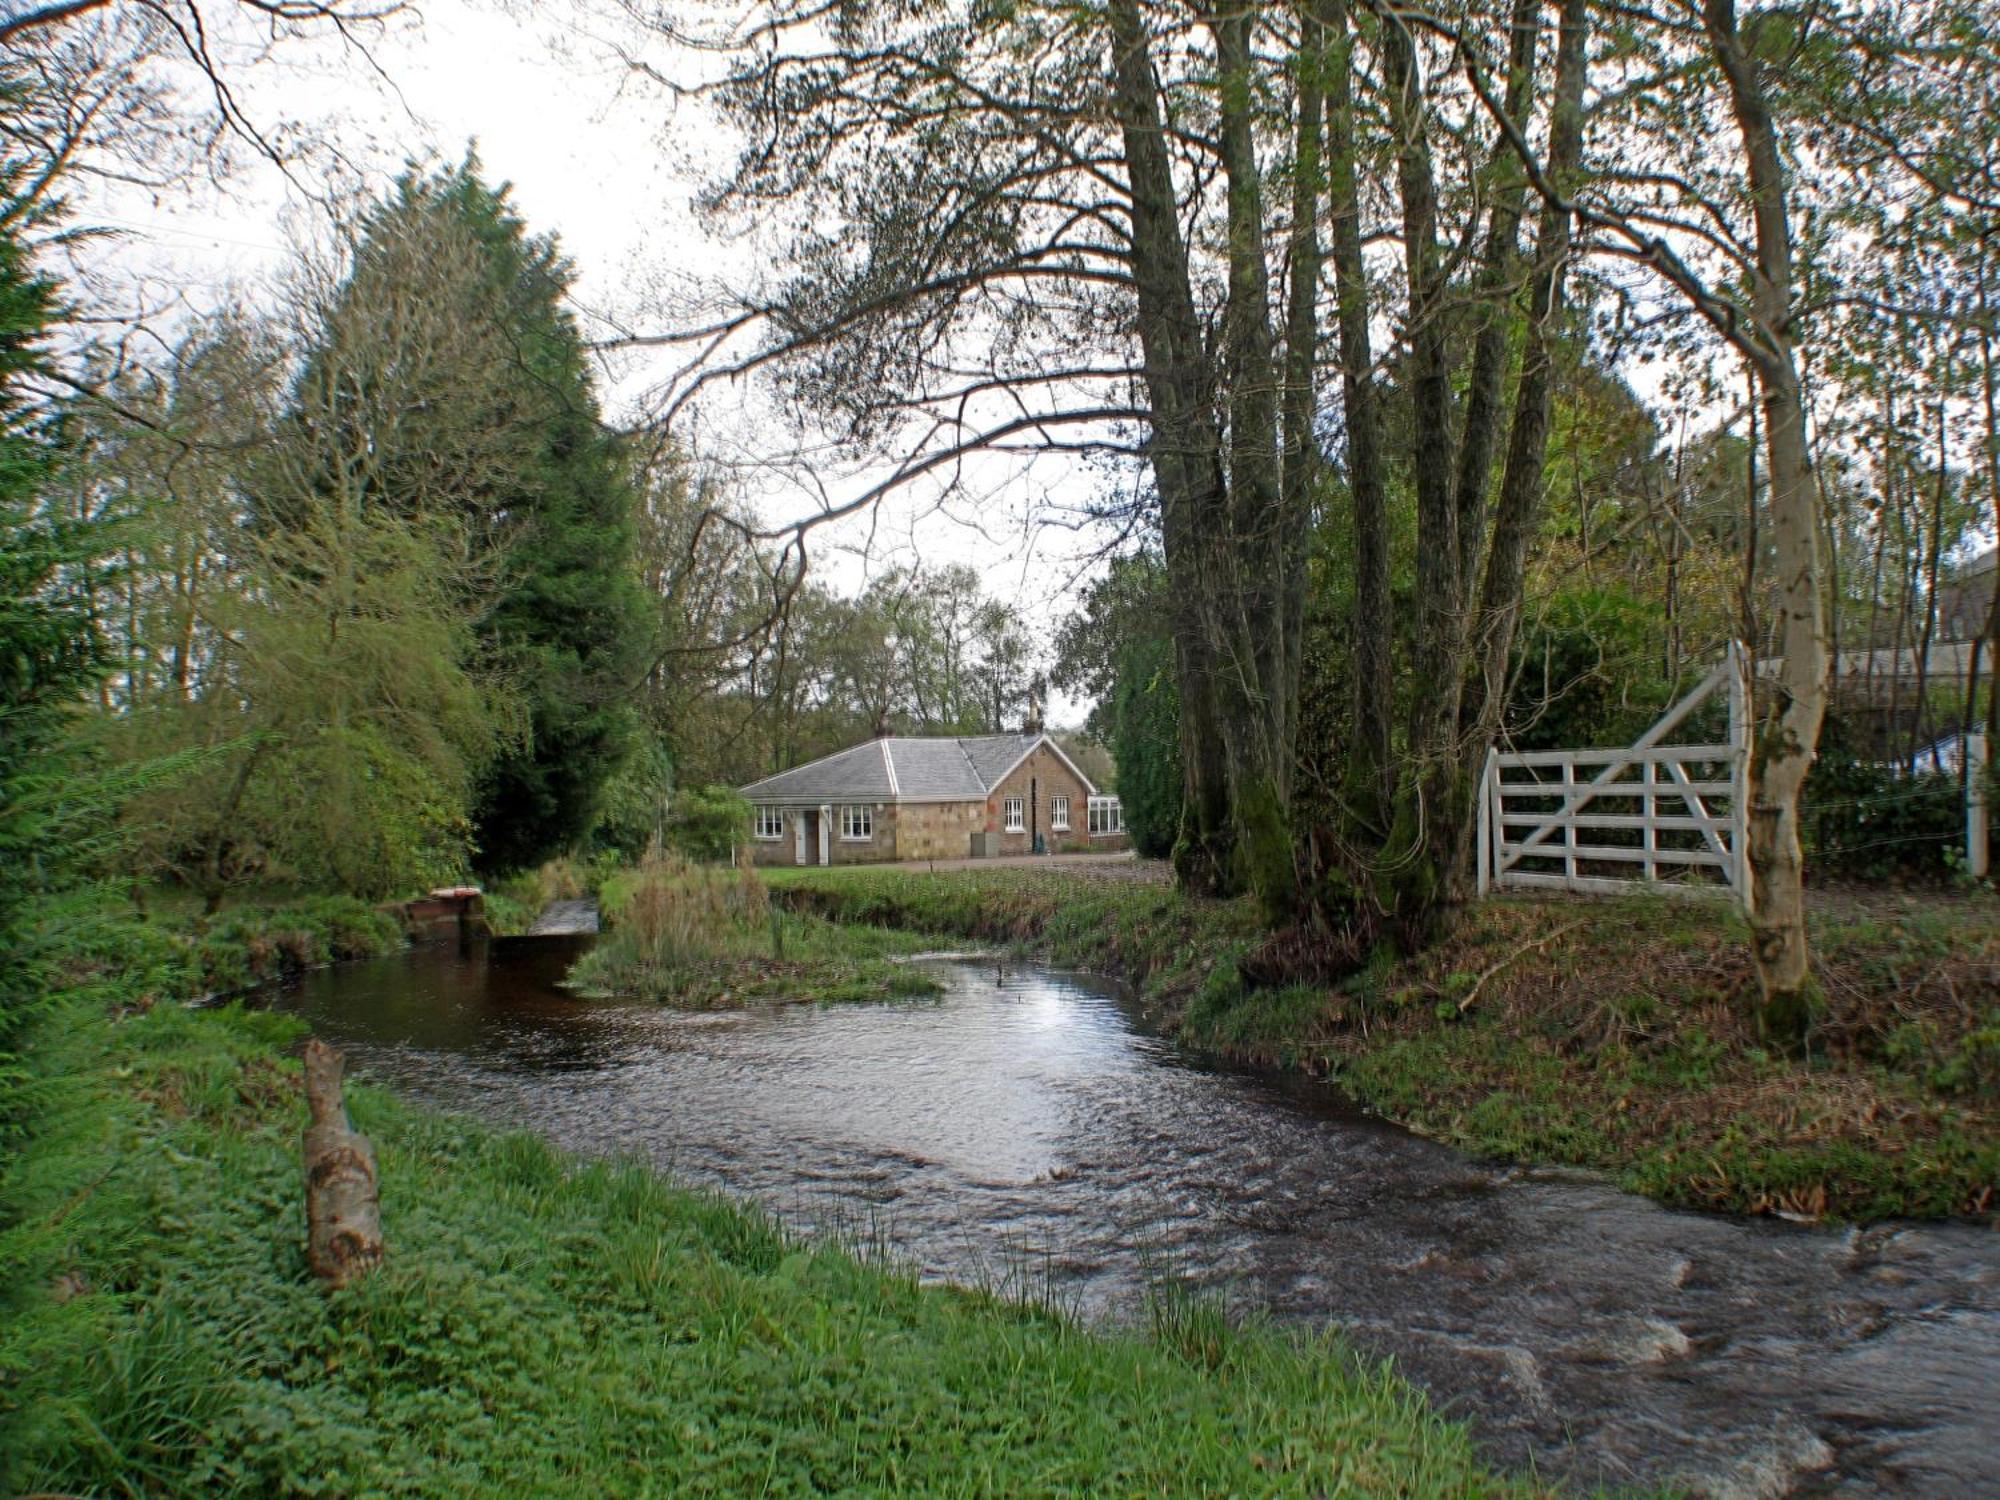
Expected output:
(343, 1212)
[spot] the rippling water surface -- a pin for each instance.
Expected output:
(1025, 1131)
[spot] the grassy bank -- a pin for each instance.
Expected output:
(170, 951)
(1609, 1034)
(549, 1326)
(1078, 916)
(704, 939)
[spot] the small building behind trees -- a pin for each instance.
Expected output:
(932, 797)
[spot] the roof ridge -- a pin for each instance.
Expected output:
(889, 766)
(971, 765)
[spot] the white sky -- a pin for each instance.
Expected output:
(609, 166)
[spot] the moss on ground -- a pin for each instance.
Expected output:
(1611, 1034)
(545, 1325)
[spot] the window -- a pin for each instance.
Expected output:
(857, 823)
(1014, 822)
(1059, 815)
(770, 823)
(1106, 815)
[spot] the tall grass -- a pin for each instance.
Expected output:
(705, 935)
(677, 913)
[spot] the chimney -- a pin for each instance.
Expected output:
(1031, 722)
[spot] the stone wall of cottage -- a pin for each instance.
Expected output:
(778, 851)
(937, 830)
(880, 845)
(1037, 781)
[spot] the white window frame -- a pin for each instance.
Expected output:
(770, 824)
(857, 823)
(1014, 815)
(1058, 815)
(1106, 817)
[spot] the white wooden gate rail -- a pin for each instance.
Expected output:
(1607, 820)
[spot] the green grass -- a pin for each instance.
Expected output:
(1611, 1034)
(546, 1325)
(172, 951)
(709, 938)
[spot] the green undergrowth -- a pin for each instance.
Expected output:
(1620, 1035)
(170, 953)
(546, 1325)
(705, 938)
(1610, 1034)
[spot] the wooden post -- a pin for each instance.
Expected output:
(343, 1210)
(1569, 825)
(1649, 808)
(1742, 739)
(1978, 857)
(1486, 822)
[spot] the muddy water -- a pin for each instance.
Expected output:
(1025, 1131)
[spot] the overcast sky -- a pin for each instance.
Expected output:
(612, 168)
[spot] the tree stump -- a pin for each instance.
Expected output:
(343, 1211)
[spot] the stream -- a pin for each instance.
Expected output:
(1026, 1132)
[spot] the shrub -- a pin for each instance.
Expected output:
(708, 822)
(1863, 821)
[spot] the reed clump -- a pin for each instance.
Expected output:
(706, 936)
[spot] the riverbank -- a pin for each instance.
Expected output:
(549, 1325)
(1607, 1034)
(169, 952)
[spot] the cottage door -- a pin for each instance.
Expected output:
(798, 838)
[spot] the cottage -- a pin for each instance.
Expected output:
(924, 797)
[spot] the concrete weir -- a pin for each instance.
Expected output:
(450, 912)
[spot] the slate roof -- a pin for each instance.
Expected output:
(901, 768)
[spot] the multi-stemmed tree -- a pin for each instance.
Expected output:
(1140, 232)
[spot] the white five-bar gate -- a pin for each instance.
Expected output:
(1606, 820)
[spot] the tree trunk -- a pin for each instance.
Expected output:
(1990, 392)
(1430, 804)
(1370, 783)
(343, 1213)
(1920, 718)
(1518, 507)
(1185, 453)
(1440, 596)
(1251, 587)
(1787, 743)
(1494, 303)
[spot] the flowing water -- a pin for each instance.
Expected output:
(1025, 1131)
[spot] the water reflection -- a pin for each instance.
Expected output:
(1023, 1130)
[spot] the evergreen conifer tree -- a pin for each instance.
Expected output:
(48, 651)
(564, 616)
